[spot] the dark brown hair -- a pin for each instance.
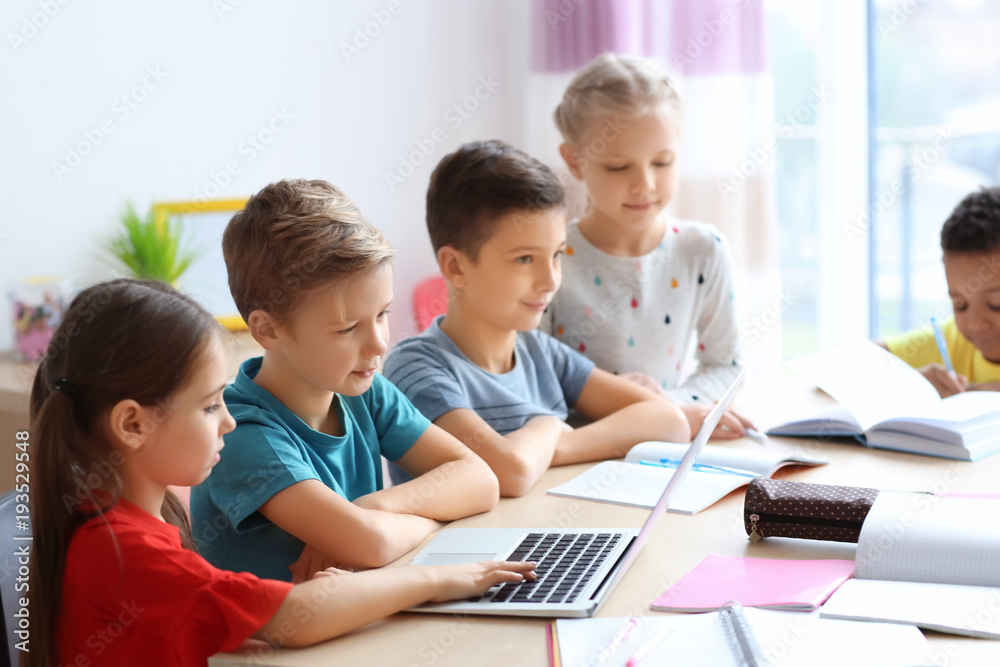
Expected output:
(477, 184)
(974, 225)
(293, 237)
(122, 339)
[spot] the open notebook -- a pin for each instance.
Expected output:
(887, 404)
(700, 640)
(928, 561)
(639, 481)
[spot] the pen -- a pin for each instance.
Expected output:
(942, 348)
(754, 434)
(698, 467)
(648, 647)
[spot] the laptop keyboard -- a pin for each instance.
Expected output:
(565, 563)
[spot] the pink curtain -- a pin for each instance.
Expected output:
(697, 37)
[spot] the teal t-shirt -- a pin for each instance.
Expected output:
(271, 449)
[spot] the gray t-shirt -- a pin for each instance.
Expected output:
(437, 377)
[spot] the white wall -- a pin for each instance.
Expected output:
(223, 71)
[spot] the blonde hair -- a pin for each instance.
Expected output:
(293, 237)
(613, 85)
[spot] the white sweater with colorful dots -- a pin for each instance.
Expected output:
(646, 313)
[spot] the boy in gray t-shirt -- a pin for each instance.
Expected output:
(497, 222)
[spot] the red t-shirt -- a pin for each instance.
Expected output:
(148, 601)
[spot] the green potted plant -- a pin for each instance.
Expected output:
(150, 248)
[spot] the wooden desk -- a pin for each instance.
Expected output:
(15, 390)
(676, 546)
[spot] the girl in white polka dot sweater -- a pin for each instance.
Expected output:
(641, 289)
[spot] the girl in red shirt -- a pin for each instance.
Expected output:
(127, 401)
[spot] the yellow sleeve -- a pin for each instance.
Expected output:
(967, 358)
(916, 347)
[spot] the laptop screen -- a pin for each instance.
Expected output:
(707, 427)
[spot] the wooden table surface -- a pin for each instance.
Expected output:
(677, 545)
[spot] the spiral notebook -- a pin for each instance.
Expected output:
(734, 637)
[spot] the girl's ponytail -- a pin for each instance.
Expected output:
(54, 436)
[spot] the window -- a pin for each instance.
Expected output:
(936, 137)
(936, 66)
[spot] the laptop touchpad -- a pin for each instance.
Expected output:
(453, 558)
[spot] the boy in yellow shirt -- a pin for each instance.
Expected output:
(970, 240)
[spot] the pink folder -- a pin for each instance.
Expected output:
(796, 585)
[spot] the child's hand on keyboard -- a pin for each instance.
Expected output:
(455, 582)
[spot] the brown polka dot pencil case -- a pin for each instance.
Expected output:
(779, 508)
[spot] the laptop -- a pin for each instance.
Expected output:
(577, 568)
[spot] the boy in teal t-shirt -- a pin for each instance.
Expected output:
(273, 449)
(299, 484)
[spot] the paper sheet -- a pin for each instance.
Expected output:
(872, 383)
(926, 538)
(788, 639)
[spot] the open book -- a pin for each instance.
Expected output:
(791, 585)
(928, 561)
(885, 403)
(648, 467)
(721, 639)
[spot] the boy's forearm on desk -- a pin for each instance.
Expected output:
(348, 533)
(516, 459)
(389, 535)
(531, 450)
(614, 435)
(451, 491)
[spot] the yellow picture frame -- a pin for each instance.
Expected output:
(162, 212)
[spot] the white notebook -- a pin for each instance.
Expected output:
(885, 403)
(928, 561)
(699, 640)
(641, 478)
